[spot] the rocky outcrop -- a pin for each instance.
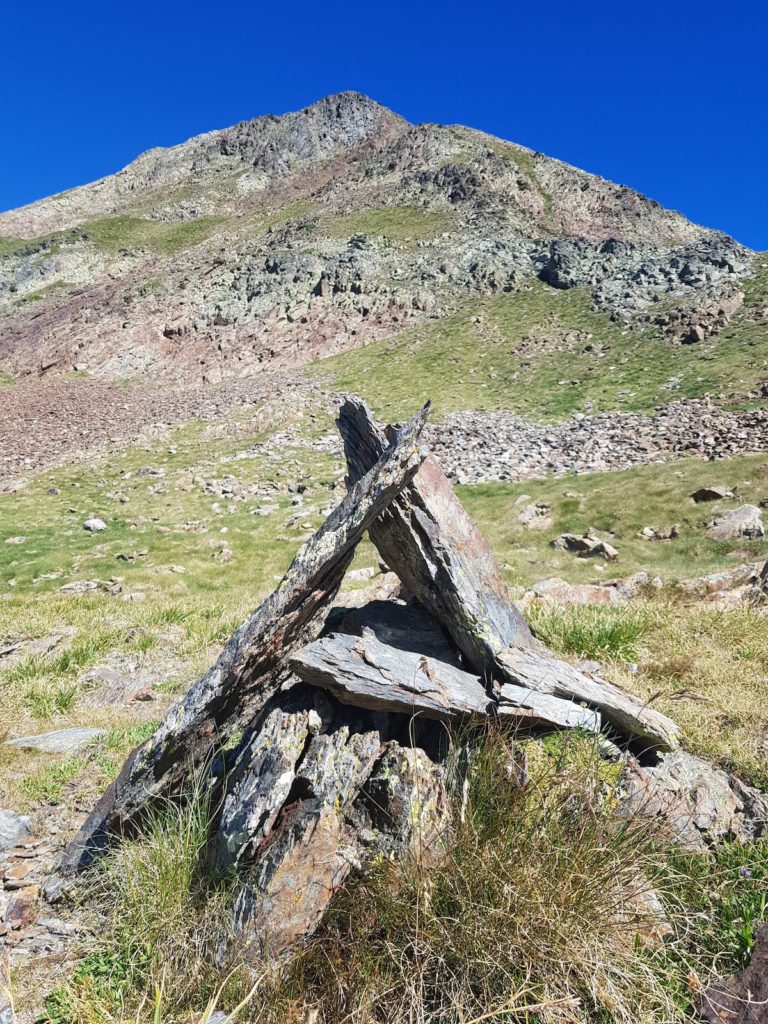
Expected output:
(744, 522)
(696, 803)
(334, 759)
(741, 998)
(479, 446)
(283, 239)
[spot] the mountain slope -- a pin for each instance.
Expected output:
(284, 239)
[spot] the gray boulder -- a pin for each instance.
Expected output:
(696, 802)
(714, 493)
(13, 828)
(94, 525)
(63, 741)
(740, 523)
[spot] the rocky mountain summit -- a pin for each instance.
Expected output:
(284, 239)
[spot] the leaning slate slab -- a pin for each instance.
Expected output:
(253, 665)
(63, 741)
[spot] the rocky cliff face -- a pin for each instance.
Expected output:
(284, 239)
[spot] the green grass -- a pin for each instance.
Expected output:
(9, 246)
(403, 223)
(525, 163)
(620, 504)
(47, 783)
(728, 896)
(6, 380)
(261, 219)
(166, 944)
(113, 234)
(47, 245)
(164, 525)
(43, 292)
(461, 364)
(595, 633)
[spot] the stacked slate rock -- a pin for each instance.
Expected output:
(342, 715)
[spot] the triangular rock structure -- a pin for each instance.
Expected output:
(343, 711)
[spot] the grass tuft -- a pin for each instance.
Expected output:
(157, 920)
(593, 632)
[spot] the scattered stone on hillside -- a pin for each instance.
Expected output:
(16, 540)
(651, 533)
(131, 556)
(536, 516)
(558, 592)
(62, 741)
(501, 445)
(697, 803)
(741, 998)
(94, 525)
(743, 522)
(727, 580)
(112, 586)
(15, 651)
(13, 828)
(366, 573)
(589, 545)
(711, 493)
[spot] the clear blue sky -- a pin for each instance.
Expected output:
(671, 98)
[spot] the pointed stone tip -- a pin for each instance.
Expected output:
(349, 102)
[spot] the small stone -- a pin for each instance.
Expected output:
(361, 574)
(13, 828)
(14, 875)
(63, 741)
(94, 525)
(16, 540)
(79, 587)
(714, 493)
(144, 696)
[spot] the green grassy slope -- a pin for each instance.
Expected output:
(547, 353)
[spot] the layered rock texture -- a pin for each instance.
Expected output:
(282, 239)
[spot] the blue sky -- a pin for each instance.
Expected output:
(670, 98)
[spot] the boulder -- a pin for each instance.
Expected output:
(13, 828)
(696, 802)
(94, 525)
(587, 546)
(743, 522)
(535, 516)
(558, 592)
(741, 998)
(714, 493)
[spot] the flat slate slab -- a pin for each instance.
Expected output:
(366, 673)
(63, 741)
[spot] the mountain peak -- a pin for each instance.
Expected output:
(284, 238)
